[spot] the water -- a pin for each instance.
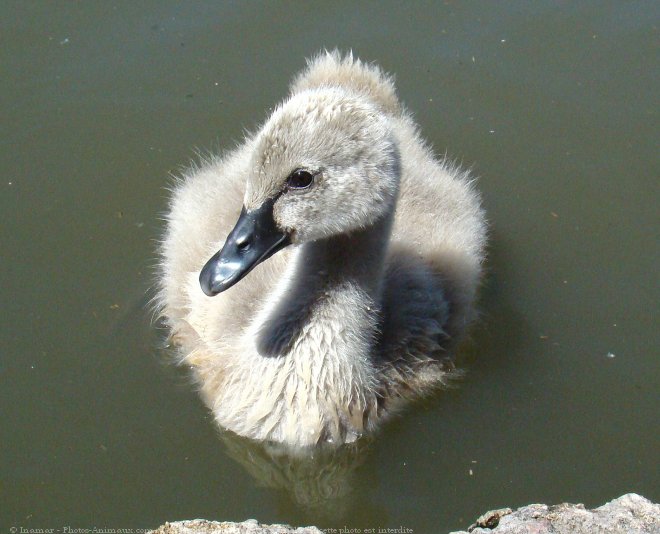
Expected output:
(554, 106)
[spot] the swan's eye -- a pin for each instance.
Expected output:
(300, 179)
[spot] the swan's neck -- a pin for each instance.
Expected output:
(354, 260)
(313, 367)
(328, 304)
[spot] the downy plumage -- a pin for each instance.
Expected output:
(350, 273)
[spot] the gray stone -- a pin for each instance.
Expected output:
(629, 514)
(251, 526)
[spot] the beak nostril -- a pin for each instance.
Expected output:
(243, 243)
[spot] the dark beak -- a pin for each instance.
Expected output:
(254, 239)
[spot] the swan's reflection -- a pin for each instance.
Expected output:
(319, 479)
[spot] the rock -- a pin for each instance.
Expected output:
(251, 526)
(629, 514)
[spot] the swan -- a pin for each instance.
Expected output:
(316, 277)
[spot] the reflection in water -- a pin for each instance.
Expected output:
(319, 479)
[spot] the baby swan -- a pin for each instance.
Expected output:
(348, 262)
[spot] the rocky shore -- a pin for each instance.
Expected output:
(629, 514)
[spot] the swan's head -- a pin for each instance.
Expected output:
(325, 163)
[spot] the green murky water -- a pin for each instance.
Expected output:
(555, 105)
